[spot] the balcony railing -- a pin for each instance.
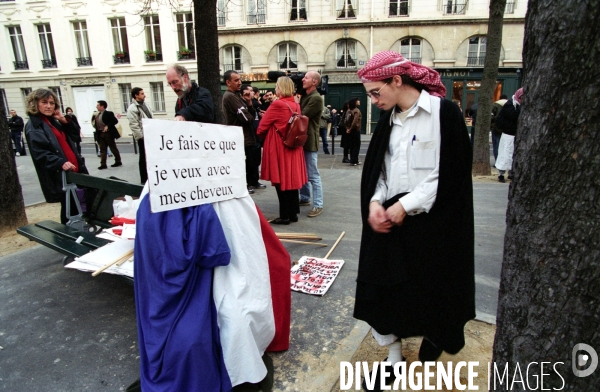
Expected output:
(399, 9)
(298, 15)
(346, 63)
(232, 67)
(220, 20)
(455, 7)
(84, 61)
(121, 58)
(21, 64)
(347, 13)
(186, 55)
(259, 18)
(416, 60)
(476, 61)
(510, 7)
(151, 58)
(49, 63)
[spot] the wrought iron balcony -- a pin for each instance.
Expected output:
(476, 61)
(153, 57)
(21, 64)
(221, 21)
(259, 18)
(49, 63)
(121, 58)
(84, 61)
(232, 67)
(186, 55)
(416, 60)
(455, 7)
(510, 7)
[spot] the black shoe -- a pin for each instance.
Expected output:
(258, 185)
(102, 167)
(389, 381)
(345, 160)
(429, 351)
(250, 190)
(280, 221)
(116, 164)
(501, 179)
(294, 218)
(327, 153)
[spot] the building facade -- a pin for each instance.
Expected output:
(86, 51)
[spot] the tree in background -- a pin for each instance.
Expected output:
(12, 206)
(549, 298)
(481, 147)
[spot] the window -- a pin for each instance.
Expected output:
(232, 58)
(410, 49)
(81, 39)
(257, 11)
(18, 47)
(510, 7)
(287, 56)
(4, 102)
(24, 93)
(221, 9)
(118, 29)
(454, 7)
(152, 28)
(47, 44)
(185, 34)
(476, 51)
(158, 96)
(346, 53)
(125, 91)
(298, 10)
(56, 90)
(398, 7)
(346, 9)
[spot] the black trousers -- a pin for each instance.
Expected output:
(106, 140)
(289, 203)
(142, 162)
(253, 158)
(355, 146)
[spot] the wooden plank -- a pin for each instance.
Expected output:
(55, 242)
(88, 239)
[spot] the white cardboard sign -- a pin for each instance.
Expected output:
(190, 163)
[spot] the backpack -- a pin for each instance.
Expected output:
(297, 130)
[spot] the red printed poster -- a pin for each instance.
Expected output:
(314, 276)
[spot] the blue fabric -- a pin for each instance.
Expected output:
(314, 179)
(178, 334)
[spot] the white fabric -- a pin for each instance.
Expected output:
(395, 352)
(383, 340)
(412, 161)
(506, 148)
(242, 293)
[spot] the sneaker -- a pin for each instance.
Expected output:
(258, 185)
(116, 164)
(355, 164)
(501, 179)
(315, 212)
(250, 190)
(102, 167)
(18, 154)
(304, 203)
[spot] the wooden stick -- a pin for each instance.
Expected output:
(303, 242)
(299, 237)
(312, 234)
(120, 263)
(334, 245)
(106, 266)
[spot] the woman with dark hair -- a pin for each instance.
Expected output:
(282, 165)
(353, 119)
(75, 136)
(51, 149)
(344, 143)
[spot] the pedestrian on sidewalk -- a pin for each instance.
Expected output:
(105, 124)
(507, 121)
(496, 132)
(76, 134)
(16, 124)
(416, 265)
(353, 120)
(137, 111)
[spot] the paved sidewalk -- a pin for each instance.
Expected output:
(64, 330)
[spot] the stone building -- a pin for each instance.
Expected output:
(86, 51)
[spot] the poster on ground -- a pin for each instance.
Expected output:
(313, 275)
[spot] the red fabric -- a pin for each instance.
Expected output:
(386, 64)
(279, 272)
(117, 221)
(61, 137)
(518, 95)
(281, 165)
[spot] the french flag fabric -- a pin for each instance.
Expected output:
(212, 295)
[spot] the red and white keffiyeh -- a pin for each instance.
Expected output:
(386, 64)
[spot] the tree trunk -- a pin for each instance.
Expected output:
(207, 51)
(550, 287)
(481, 148)
(12, 207)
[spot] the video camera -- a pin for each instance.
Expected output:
(297, 79)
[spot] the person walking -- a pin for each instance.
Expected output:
(353, 121)
(105, 122)
(76, 135)
(282, 165)
(496, 132)
(15, 124)
(507, 122)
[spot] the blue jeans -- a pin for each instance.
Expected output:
(323, 132)
(314, 179)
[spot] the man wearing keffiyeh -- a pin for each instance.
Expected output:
(416, 266)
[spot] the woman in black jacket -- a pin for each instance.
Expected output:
(75, 136)
(51, 149)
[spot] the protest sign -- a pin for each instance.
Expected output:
(190, 163)
(313, 275)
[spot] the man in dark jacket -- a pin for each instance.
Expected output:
(194, 103)
(105, 124)
(15, 123)
(416, 264)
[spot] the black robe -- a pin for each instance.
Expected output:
(419, 280)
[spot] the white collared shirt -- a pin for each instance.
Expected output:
(412, 161)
